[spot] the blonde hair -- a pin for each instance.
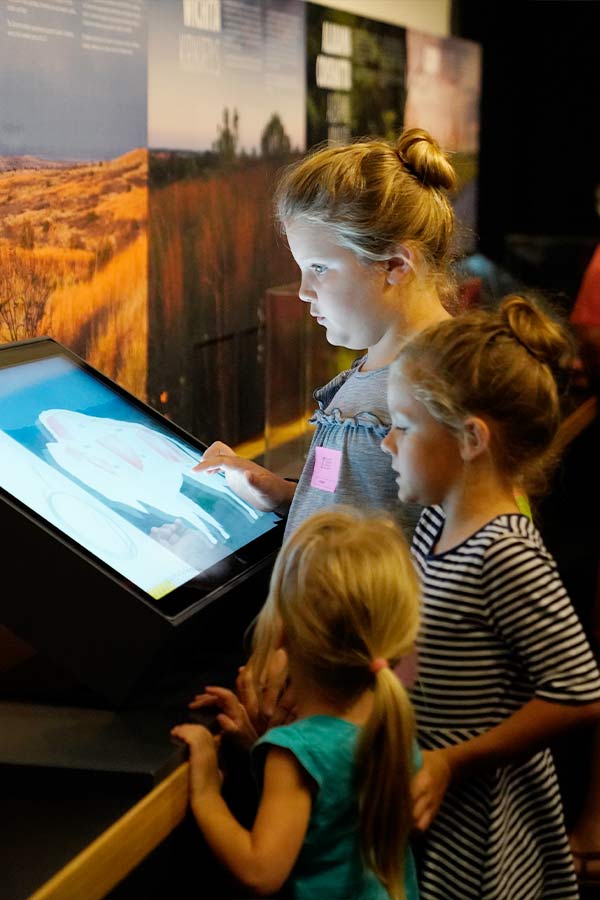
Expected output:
(499, 365)
(375, 196)
(346, 592)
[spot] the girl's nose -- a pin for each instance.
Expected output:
(305, 293)
(386, 444)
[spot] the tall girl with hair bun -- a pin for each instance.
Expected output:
(335, 811)
(504, 665)
(370, 226)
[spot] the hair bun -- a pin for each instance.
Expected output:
(537, 331)
(423, 156)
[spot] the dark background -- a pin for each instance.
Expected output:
(540, 134)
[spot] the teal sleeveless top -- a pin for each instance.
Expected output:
(330, 866)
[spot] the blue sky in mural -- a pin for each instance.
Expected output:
(85, 97)
(204, 57)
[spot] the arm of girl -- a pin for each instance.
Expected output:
(261, 859)
(262, 489)
(525, 732)
(529, 610)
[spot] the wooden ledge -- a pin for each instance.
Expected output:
(107, 860)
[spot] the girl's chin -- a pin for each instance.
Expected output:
(342, 340)
(332, 338)
(406, 496)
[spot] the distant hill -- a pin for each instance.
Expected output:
(58, 206)
(15, 163)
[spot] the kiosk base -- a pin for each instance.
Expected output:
(70, 765)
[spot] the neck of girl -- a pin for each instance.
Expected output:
(311, 700)
(420, 306)
(416, 306)
(482, 495)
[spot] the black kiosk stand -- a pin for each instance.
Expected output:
(129, 581)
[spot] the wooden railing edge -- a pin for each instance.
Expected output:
(118, 850)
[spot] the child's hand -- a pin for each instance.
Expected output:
(233, 718)
(204, 768)
(429, 786)
(257, 486)
(285, 708)
(187, 543)
(264, 708)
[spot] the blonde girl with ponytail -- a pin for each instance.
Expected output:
(504, 665)
(335, 811)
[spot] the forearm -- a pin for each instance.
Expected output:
(229, 841)
(532, 727)
(288, 489)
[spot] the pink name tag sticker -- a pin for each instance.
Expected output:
(326, 472)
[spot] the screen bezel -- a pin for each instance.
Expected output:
(188, 597)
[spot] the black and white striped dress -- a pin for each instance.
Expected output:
(498, 629)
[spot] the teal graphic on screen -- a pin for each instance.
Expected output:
(114, 479)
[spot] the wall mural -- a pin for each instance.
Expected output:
(73, 180)
(139, 146)
(444, 78)
(226, 111)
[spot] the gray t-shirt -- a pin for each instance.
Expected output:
(345, 462)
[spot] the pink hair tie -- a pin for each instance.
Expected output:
(378, 664)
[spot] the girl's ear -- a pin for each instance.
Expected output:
(475, 438)
(398, 266)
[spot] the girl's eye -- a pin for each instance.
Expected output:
(318, 269)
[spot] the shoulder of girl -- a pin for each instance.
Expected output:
(279, 736)
(506, 550)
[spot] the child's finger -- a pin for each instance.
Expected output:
(422, 810)
(247, 694)
(221, 693)
(178, 733)
(243, 682)
(422, 823)
(215, 696)
(201, 700)
(228, 725)
(276, 678)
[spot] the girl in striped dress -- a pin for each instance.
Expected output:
(503, 662)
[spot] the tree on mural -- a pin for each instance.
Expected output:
(25, 285)
(274, 142)
(379, 79)
(226, 144)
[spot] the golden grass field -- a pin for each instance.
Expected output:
(73, 261)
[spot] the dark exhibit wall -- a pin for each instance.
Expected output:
(540, 152)
(139, 146)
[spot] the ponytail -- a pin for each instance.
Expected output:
(385, 764)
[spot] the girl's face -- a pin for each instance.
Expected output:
(347, 297)
(425, 454)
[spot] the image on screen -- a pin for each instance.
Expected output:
(114, 479)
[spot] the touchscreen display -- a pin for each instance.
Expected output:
(114, 479)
